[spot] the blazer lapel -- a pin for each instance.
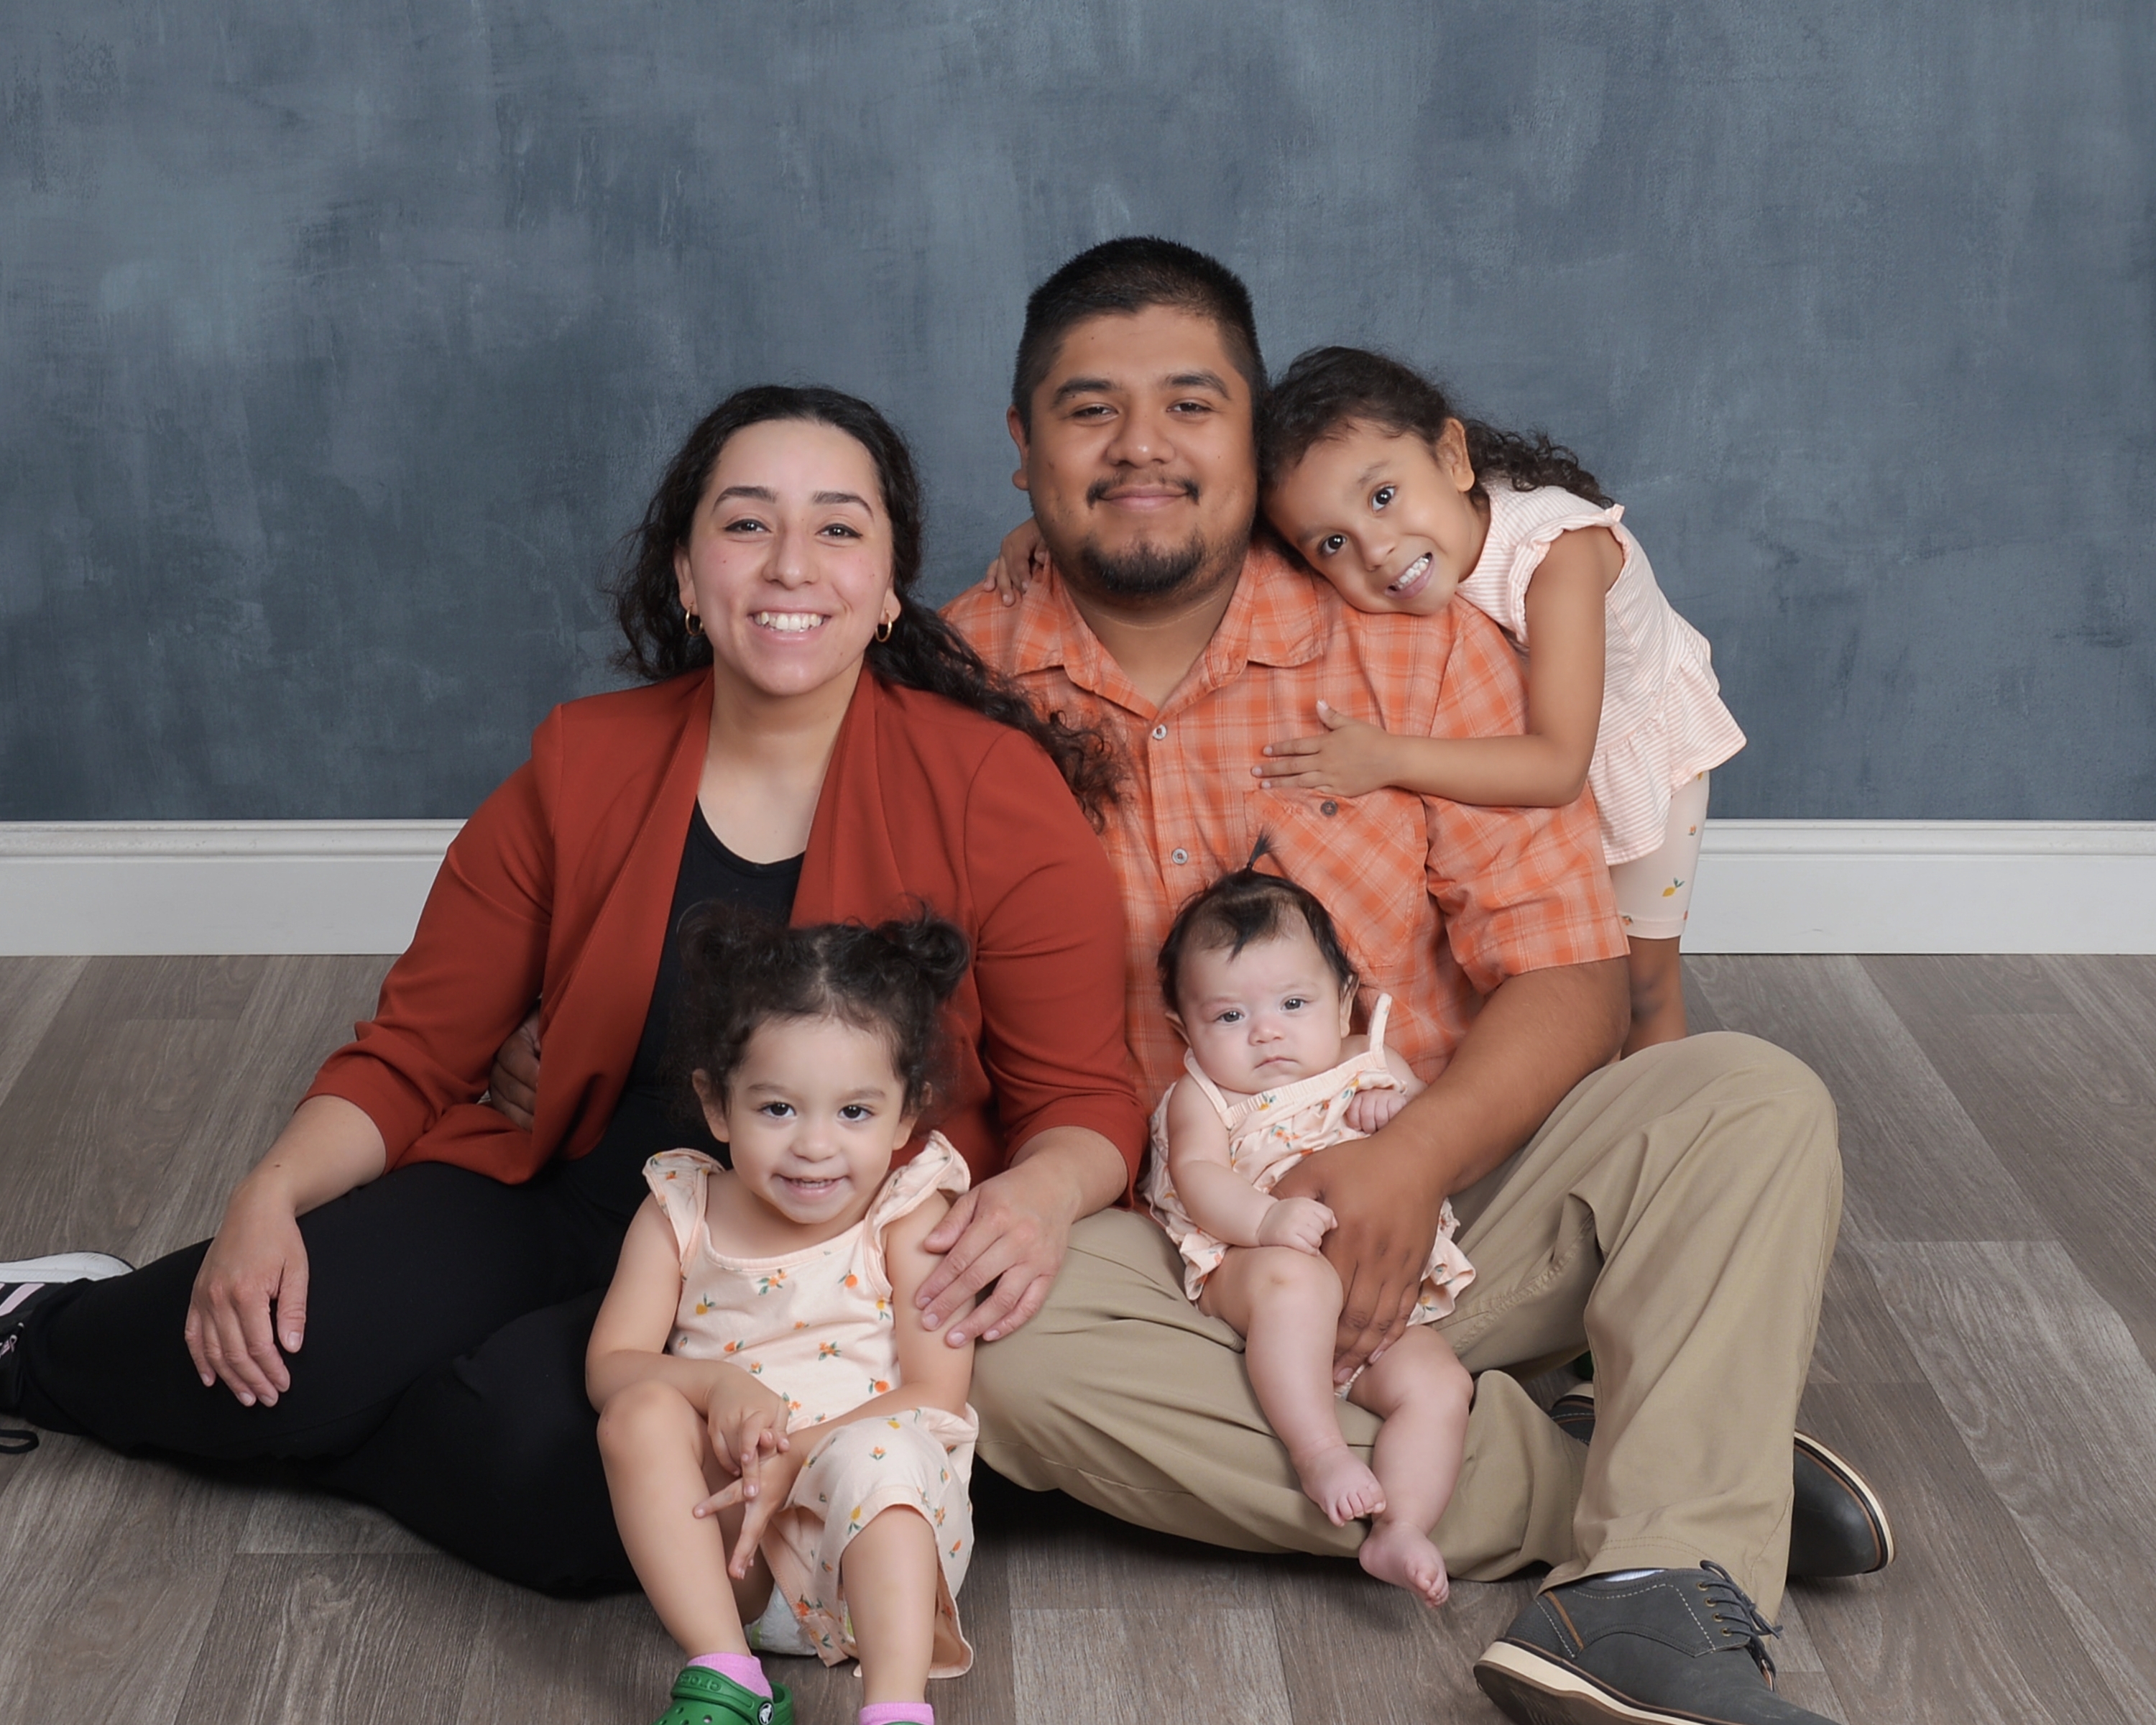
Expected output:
(600, 1005)
(861, 877)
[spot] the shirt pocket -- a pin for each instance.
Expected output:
(1362, 858)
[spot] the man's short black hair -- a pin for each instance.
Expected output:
(1126, 276)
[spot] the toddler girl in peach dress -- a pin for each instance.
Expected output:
(778, 1449)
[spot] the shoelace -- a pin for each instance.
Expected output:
(1724, 1596)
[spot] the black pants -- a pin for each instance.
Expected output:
(442, 1376)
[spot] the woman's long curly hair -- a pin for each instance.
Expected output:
(924, 652)
(1329, 388)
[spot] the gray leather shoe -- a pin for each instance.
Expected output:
(1837, 1524)
(1678, 1647)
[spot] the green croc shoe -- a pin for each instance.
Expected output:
(701, 1696)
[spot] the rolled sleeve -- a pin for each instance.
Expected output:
(472, 971)
(1049, 956)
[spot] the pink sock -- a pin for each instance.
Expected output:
(744, 1668)
(899, 1712)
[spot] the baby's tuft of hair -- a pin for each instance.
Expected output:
(740, 972)
(1240, 908)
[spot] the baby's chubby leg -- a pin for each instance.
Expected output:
(1420, 1390)
(1286, 1304)
(659, 1466)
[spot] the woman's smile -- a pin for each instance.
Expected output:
(788, 622)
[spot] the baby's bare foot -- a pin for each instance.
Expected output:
(1340, 1485)
(1398, 1553)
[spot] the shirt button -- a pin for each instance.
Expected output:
(1178, 855)
(1328, 807)
(1160, 733)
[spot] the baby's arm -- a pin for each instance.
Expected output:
(1221, 1201)
(1544, 768)
(1373, 1109)
(932, 1373)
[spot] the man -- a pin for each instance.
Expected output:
(1677, 1210)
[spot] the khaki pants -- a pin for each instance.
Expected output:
(1675, 1213)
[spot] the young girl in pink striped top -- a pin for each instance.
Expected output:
(1400, 504)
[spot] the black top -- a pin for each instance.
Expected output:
(649, 1118)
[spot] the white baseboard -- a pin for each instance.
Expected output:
(1925, 886)
(1765, 886)
(216, 886)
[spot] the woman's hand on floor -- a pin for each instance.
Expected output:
(257, 1260)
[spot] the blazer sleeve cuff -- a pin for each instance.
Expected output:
(1113, 1118)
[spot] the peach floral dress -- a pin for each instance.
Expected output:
(816, 1327)
(1268, 1134)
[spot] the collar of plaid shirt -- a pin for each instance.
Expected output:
(1437, 902)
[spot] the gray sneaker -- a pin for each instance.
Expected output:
(1678, 1647)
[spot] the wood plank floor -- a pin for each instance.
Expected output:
(1985, 1353)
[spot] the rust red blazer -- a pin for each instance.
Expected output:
(558, 888)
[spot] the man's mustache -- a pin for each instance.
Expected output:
(1101, 488)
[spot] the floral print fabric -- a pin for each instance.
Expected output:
(1271, 1131)
(817, 1327)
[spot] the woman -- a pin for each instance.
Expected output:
(400, 1292)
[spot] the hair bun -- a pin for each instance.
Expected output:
(937, 950)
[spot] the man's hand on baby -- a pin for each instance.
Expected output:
(1389, 1211)
(1020, 560)
(1373, 1110)
(1301, 1223)
(1348, 758)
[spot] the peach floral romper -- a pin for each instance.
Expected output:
(816, 1327)
(1267, 1135)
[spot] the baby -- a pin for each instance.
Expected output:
(1257, 984)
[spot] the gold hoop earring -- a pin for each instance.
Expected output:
(883, 629)
(695, 624)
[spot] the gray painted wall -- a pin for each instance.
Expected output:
(339, 339)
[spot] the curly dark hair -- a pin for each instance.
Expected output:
(1245, 906)
(1328, 388)
(739, 971)
(923, 651)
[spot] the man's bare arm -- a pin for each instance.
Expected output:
(1536, 1036)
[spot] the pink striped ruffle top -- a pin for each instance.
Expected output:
(1662, 717)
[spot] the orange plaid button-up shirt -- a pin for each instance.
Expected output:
(1437, 902)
